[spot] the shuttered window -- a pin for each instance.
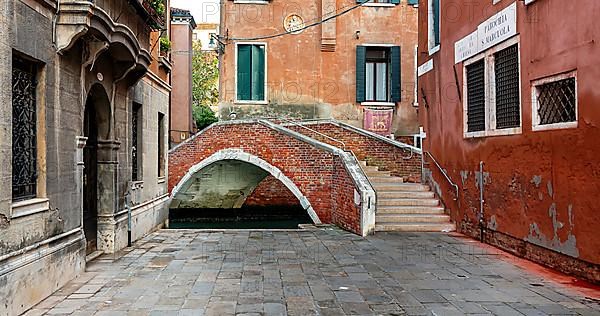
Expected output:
(476, 96)
(250, 72)
(379, 1)
(378, 74)
(506, 68)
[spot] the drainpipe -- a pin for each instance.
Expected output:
(128, 206)
(481, 213)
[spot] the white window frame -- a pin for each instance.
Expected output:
(490, 92)
(258, 102)
(376, 4)
(251, 2)
(432, 48)
(535, 118)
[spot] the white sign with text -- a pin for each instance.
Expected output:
(498, 28)
(425, 68)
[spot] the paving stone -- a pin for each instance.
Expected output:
(311, 272)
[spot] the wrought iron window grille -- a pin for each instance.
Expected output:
(557, 101)
(506, 68)
(476, 96)
(24, 143)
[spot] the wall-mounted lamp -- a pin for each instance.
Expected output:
(357, 35)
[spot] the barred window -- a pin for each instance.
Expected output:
(476, 96)
(506, 67)
(557, 102)
(161, 145)
(135, 143)
(24, 143)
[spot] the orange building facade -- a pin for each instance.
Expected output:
(320, 59)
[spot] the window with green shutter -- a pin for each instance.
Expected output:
(434, 23)
(378, 74)
(250, 72)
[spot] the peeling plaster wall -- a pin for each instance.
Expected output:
(304, 81)
(540, 187)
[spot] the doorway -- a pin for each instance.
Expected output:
(90, 177)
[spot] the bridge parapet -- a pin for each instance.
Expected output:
(328, 181)
(402, 160)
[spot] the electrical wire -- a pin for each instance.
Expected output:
(302, 28)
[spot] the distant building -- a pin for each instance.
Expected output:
(358, 67)
(85, 109)
(508, 99)
(206, 34)
(182, 121)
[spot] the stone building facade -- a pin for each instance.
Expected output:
(88, 127)
(508, 100)
(357, 66)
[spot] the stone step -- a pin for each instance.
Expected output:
(408, 202)
(370, 168)
(377, 173)
(416, 227)
(385, 180)
(405, 194)
(409, 210)
(411, 218)
(400, 187)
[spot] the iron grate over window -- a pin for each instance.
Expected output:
(557, 101)
(507, 88)
(476, 96)
(24, 151)
(135, 173)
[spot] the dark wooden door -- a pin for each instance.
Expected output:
(90, 180)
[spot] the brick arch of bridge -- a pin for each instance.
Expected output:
(330, 179)
(237, 154)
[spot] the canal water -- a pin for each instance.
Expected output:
(243, 218)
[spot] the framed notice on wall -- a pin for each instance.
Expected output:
(378, 120)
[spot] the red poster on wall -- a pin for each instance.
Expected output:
(378, 120)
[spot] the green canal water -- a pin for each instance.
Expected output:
(244, 218)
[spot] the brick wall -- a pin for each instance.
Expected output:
(271, 192)
(319, 174)
(378, 153)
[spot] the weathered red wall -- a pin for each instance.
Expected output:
(540, 187)
(181, 93)
(313, 170)
(387, 157)
(271, 192)
(303, 80)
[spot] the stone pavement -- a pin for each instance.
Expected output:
(318, 271)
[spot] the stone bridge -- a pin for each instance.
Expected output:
(314, 164)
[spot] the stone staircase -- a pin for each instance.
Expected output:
(407, 207)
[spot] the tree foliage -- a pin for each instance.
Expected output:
(205, 85)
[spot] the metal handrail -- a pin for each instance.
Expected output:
(314, 131)
(445, 175)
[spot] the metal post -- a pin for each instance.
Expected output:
(128, 206)
(481, 211)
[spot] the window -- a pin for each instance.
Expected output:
(161, 145)
(476, 96)
(377, 80)
(24, 143)
(506, 68)
(376, 2)
(433, 26)
(555, 102)
(250, 75)
(136, 134)
(492, 92)
(378, 74)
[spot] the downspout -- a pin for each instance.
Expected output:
(481, 201)
(128, 207)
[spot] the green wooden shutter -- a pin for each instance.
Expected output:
(395, 1)
(413, 2)
(258, 73)
(244, 67)
(361, 55)
(436, 21)
(395, 84)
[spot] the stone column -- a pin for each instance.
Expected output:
(107, 193)
(80, 142)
